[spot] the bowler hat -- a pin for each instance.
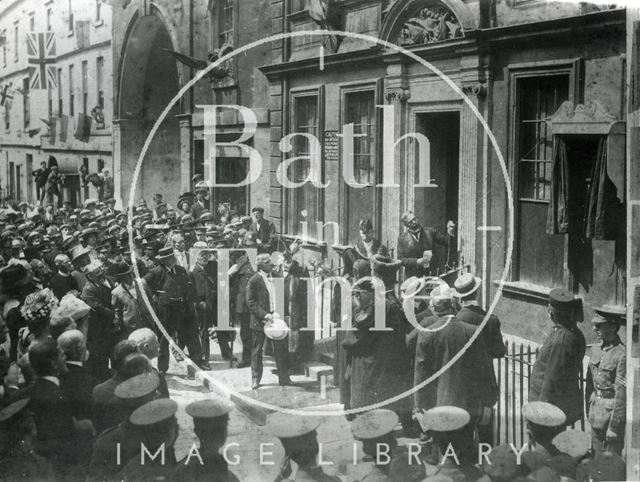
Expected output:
(466, 285)
(120, 268)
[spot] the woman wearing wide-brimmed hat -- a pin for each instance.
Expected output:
(16, 282)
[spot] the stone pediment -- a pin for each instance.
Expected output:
(588, 118)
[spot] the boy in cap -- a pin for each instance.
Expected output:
(265, 230)
(122, 439)
(300, 441)
(156, 426)
(375, 429)
(555, 375)
(448, 427)
(210, 420)
(606, 390)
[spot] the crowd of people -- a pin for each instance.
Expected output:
(80, 335)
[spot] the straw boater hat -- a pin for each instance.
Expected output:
(165, 253)
(276, 328)
(466, 285)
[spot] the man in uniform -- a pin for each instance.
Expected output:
(210, 420)
(606, 383)
(555, 374)
(300, 441)
(122, 438)
(375, 429)
(544, 422)
(172, 286)
(416, 239)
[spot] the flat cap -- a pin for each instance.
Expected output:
(153, 412)
(544, 414)
(284, 425)
(137, 387)
(209, 408)
(374, 424)
(445, 418)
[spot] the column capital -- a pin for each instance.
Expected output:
(396, 95)
(476, 89)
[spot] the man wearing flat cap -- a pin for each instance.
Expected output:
(261, 301)
(606, 390)
(265, 230)
(555, 375)
(174, 292)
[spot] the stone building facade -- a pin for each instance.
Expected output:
(538, 73)
(79, 79)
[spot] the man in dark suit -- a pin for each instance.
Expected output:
(76, 384)
(103, 331)
(265, 230)
(174, 292)
(204, 276)
(261, 303)
(61, 439)
(467, 288)
(416, 239)
(62, 282)
(459, 385)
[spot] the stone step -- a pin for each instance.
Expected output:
(315, 370)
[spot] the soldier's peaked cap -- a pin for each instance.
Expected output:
(209, 408)
(446, 418)
(154, 412)
(544, 414)
(575, 443)
(137, 387)
(284, 425)
(374, 424)
(608, 313)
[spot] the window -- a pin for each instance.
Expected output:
(26, 103)
(32, 22)
(71, 94)
(540, 255)
(85, 80)
(360, 110)
(98, 10)
(225, 22)
(70, 10)
(60, 112)
(305, 121)
(99, 80)
(18, 182)
(49, 17)
(15, 42)
(12, 180)
(49, 100)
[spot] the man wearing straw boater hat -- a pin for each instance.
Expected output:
(467, 289)
(173, 289)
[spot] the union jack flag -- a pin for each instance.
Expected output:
(41, 48)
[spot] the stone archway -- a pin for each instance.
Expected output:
(148, 80)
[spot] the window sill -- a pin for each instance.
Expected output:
(526, 290)
(307, 243)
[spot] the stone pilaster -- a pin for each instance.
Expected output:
(186, 147)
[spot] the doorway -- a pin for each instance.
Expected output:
(434, 207)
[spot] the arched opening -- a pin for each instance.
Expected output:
(148, 81)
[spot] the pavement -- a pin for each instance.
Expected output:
(258, 453)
